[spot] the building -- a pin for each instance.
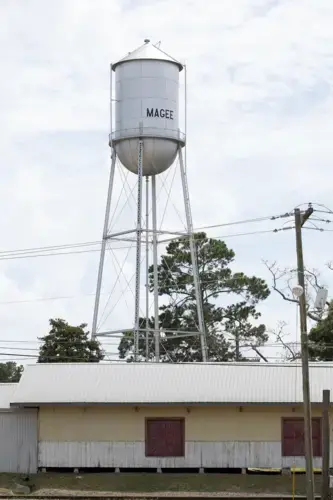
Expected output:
(203, 415)
(18, 434)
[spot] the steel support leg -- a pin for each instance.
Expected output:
(138, 255)
(147, 269)
(155, 264)
(189, 224)
(103, 248)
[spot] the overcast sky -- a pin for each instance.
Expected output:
(259, 136)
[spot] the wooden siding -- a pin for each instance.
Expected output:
(225, 437)
(197, 454)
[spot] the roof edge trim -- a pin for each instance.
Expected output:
(177, 403)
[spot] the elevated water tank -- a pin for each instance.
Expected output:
(147, 108)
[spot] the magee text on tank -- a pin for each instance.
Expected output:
(160, 113)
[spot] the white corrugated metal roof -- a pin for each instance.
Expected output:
(6, 395)
(151, 383)
(148, 51)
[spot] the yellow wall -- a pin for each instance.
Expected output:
(204, 423)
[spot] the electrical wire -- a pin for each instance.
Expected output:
(75, 248)
(276, 344)
(47, 248)
(27, 256)
(120, 336)
(19, 350)
(50, 251)
(46, 299)
(76, 252)
(27, 252)
(24, 357)
(246, 221)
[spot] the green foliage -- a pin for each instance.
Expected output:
(10, 372)
(68, 344)
(321, 338)
(228, 326)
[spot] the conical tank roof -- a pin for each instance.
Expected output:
(148, 51)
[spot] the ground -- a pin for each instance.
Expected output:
(125, 482)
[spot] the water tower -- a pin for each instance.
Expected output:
(146, 139)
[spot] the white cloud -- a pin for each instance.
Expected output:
(259, 132)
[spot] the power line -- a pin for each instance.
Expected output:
(53, 249)
(24, 357)
(51, 254)
(76, 252)
(74, 344)
(246, 221)
(45, 299)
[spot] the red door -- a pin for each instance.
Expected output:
(293, 437)
(165, 437)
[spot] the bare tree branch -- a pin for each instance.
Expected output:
(291, 353)
(277, 274)
(288, 276)
(256, 350)
(314, 278)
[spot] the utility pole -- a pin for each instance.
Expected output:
(300, 219)
(325, 491)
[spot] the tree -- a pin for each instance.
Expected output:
(10, 372)
(284, 279)
(67, 344)
(321, 338)
(229, 326)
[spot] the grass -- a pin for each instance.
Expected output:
(142, 482)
